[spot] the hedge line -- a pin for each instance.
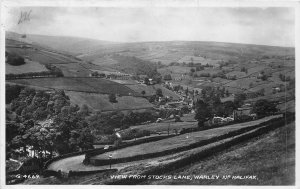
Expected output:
(207, 152)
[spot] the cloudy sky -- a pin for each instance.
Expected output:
(266, 26)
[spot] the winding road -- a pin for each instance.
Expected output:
(75, 163)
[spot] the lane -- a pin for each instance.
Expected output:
(75, 163)
(177, 141)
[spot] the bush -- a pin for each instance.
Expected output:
(167, 77)
(112, 98)
(14, 60)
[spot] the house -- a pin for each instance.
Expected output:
(243, 112)
(221, 120)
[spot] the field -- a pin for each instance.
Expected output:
(196, 59)
(178, 141)
(73, 70)
(29, 66)
(38, 56)
(101, 101)
(93, 85)
(174, 70)
(151, 90)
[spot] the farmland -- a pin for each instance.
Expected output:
(141, 112)
(92, 85)
(101, 101)
(151, 90)
(29, 66)
(38, 56)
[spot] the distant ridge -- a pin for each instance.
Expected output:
(73, 45)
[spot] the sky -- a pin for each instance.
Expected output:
(265, 26)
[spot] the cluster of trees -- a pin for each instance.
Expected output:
(112, 98)
(284, 78)
(53, 72)
(191, 64)
(211, 91)
(131, 64)
(97, 74)
(12, 92)
(167, 77)
(14, 59)
(264, 108)
(243, 69)
(210, 106)
(106, 123)
(68, 131)
(156, 96)
(214, 75)
(263, 76)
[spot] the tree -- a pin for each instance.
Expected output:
(264, 107)
(14, 59)
(147, 81)
(264, 77)
(84, 110)
(159, 92)
(203, 112)
(262, 92)
(227, 93)
(187, 91)
(167, 77)
(143, 92)
(239, 99)
(112, 98)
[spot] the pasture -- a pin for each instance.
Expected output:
(29, 66)
(151, 90)
(101, 102)
(92, 85)
(199, 59)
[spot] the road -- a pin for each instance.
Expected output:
(75, 163)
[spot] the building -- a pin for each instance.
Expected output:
(244, 112)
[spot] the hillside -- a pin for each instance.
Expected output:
(73, 45)
(89, 85)
(101, 101)
(271, 157)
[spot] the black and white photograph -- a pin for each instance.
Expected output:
(149, 93)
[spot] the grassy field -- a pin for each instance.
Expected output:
(163, 127)
(151, 90)
(94, 85)
(74, 70)
(197, 59)
(29, 66)
(38, 56)
(271, 157)
(174, 70)
(178, 141)
(101, 101)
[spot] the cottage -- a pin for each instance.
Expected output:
(241, 113)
